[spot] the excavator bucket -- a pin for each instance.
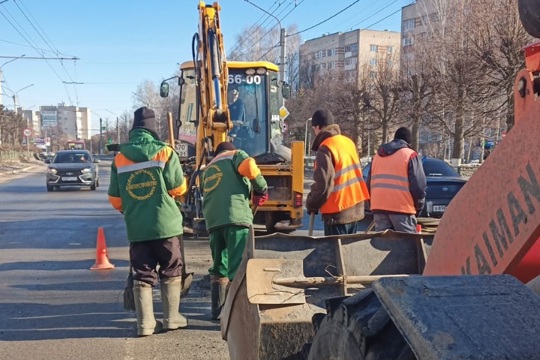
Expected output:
(284, 280)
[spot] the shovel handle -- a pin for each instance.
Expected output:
(311, 223)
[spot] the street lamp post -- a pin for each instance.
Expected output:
(15, 96)
(282, 36)
(2, 75)
(306, 145)
(117, 127)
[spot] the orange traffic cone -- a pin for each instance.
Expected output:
(419, 228)
(102, 260)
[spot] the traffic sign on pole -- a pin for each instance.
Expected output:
(27, 132)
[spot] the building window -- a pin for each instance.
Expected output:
(374, 48)
(351, 48)
(407, 41)
(373, 61)
(389, 49)
(408, 24)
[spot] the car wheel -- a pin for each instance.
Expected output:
(93, 186)
(50, 188)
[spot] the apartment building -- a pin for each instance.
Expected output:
(350, 51)
(415, 20)
(75, 122)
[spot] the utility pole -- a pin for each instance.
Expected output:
(100, 135)
(282, 43)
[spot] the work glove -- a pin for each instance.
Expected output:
(315, 212)
(259, 199)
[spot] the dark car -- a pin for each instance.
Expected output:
(72, 168)
(443, 183)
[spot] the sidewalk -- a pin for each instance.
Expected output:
(16, 167)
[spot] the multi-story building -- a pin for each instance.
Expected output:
(73, 121)
(351, 51)
(32, 120)
(415, 21)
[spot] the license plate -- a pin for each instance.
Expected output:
(69, 178)
(439, 208)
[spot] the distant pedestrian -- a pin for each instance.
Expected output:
(397, 184)
(227, 182)
(146, 180)
(339, 190)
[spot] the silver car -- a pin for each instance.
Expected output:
(72, 168)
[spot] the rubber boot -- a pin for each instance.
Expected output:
(170, 297)
(218, 292)
(144, 307)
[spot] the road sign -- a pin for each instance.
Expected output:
(284, 126)
(283, 112)
(503, 134)
(27, 132)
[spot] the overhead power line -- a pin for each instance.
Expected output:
(39, 58)
(325, 20)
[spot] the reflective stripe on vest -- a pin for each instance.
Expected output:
(142, 165)
(390, 189)
(349, 186)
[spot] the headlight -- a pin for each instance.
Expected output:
(86, 171)
(51, 171)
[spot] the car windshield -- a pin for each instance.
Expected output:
(71, 158)
(434, 168)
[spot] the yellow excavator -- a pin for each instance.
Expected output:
(241, 102)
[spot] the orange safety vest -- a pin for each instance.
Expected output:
(349, 186)
(390, 189)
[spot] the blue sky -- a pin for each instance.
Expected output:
(122, 43)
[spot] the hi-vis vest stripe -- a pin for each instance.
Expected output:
(390, 183)
(141, 165)
(349, 186)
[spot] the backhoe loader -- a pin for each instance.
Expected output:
(241, 102)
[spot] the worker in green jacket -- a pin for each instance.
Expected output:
(146, 181)
(227, 182)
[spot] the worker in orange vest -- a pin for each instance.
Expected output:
(339, 190)
(397, 184)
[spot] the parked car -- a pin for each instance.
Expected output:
(72, 168)
(443, 183)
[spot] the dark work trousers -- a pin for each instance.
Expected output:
(397, 222)
(340, 229)
(145, 256)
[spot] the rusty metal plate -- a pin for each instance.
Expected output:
(495, 218)
(260, 274)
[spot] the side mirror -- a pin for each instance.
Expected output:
(285, 90)
(164, 89)
(47, 161)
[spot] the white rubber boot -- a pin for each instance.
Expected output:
(144, 307)
(170, 297)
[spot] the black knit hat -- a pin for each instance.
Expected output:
(144, 118)
(405, 134)
(322, 118)
(225, 146)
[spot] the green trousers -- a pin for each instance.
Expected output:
(227, 245)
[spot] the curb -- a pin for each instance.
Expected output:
(17, 171)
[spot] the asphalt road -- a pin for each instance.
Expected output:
(52, 306)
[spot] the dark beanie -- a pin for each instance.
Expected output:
(405, 134)
(225, 146)
(322, 118)
(144, 118)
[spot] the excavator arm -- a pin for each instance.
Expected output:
(212, 75)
